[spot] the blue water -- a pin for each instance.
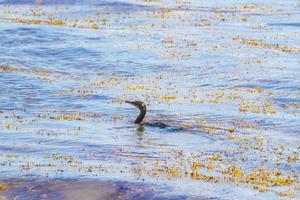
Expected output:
(62, 92)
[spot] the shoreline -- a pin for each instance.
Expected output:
(72, 189)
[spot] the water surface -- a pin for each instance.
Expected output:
(227, 72)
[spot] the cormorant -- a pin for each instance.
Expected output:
(170, 128)
(142, 107)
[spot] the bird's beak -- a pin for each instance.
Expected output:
(130, 102)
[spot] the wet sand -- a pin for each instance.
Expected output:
(82, 189)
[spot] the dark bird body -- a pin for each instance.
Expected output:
(156, 124)
(169, 125)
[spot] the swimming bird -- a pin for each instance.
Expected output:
(169, 127)
(143, 109)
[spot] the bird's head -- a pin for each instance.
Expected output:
(139, 104)
(142, 107)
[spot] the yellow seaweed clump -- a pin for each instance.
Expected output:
(94, 26)
(234, 172)
(196, 175)
(255, 90)
(238, 138)
(293, 158)
(165, 11)
(173, 172)
(134, 87)
(63, 117)
(3, 187)
(267, 179)
(28, 21)
(8, 69)
(265, 108)
(38, 21)
(260, 44)
(167, 97)
(56, 22)
(207, 129)
(213, 158)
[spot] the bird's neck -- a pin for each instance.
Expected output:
(141, 116)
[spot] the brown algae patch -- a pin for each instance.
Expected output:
(265, 108)
(36, 16)
(27, 21)
(37, 73)
(56, 22)
(249, 7)
(3, 187)
(214, 169)
(38, 21)
(63, 117)
(261, 44)
(10, 69)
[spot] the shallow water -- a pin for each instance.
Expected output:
(226, 72)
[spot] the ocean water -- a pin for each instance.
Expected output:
(227, 72)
